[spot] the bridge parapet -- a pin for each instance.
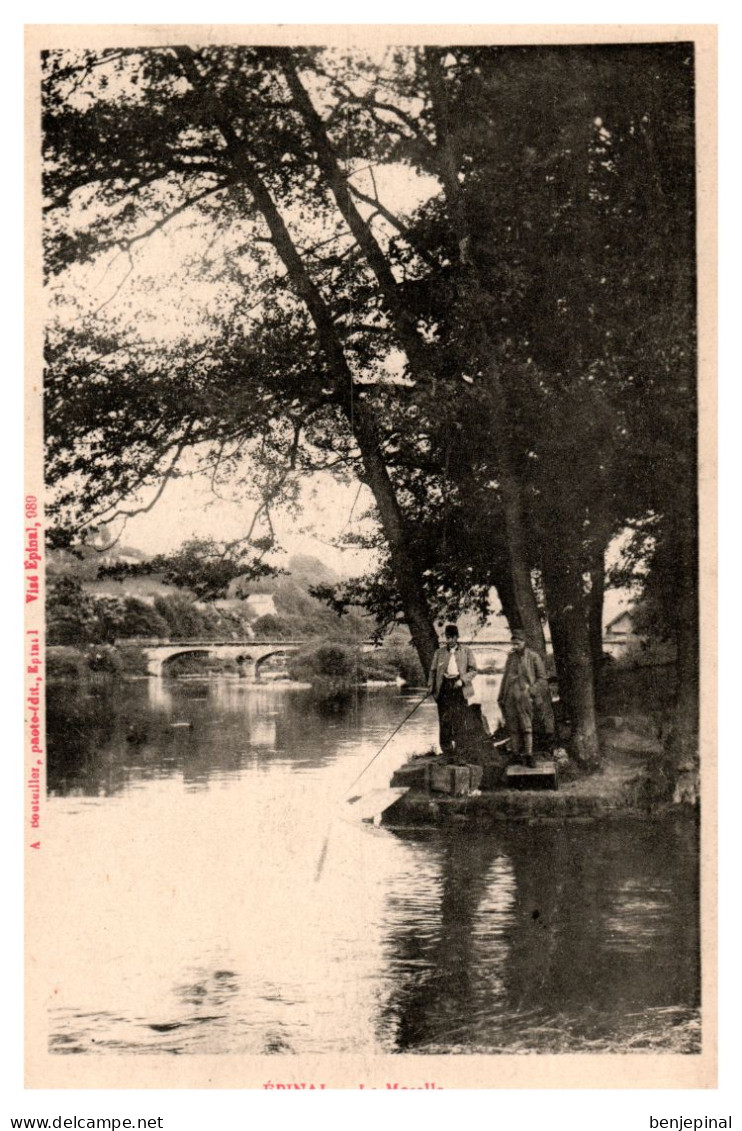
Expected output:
(254, 651)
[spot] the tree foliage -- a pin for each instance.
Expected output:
(507, 361)
(201, 565)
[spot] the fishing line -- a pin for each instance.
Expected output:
(387, 741)
(326, 841)
(400, 725)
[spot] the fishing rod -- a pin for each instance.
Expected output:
(326, 842)
(408, 716)
(404, 720)
(387, 741)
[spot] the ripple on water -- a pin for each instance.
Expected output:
(526, 939)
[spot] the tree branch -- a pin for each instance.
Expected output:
(392, 220)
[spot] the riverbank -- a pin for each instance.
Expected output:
(624, 786)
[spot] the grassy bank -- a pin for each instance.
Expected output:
(77, 663)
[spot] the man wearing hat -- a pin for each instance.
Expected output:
(523, 692)
(451, 685)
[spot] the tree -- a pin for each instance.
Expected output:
(70, 612)
(201, 565)
(578, 234)
(210, 113)
(476, 363)
(119, 617)
(269, 625)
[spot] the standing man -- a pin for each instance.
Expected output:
(450, 683)
(524, 692)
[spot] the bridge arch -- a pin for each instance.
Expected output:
(277, 651)
(162, 661)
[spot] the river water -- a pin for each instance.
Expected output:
(217, 898)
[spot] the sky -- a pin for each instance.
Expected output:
(159, 291)
(188, 508)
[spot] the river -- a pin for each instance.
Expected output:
(218, 900)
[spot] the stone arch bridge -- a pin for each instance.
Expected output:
(253, 653)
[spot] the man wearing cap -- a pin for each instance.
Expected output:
(523, 692)
(450, 683)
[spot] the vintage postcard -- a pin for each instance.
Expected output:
(370, 557)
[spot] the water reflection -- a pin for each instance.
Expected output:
(447, 939)
(542, 937)
(103, 739)
(197, 924)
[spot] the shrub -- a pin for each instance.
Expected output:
(103, 658)
(132, 659)
(331, 664)
(181, 616)
(391, 660)
(379, 665)
(141, 619)
(64, 663)
(270, 625)
(119, 617)
(70, 613)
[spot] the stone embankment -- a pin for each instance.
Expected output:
(625, 785)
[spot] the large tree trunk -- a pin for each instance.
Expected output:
(596, 599)
(559, 648)
(360, 419)
(398, 537)
(565, 599)
(526, 608)
(682, 743)
(503, 581)
(525, 601)
(510, 484)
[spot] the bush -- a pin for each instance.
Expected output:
(141, 619)
(103, 658)
(119, 617)
(132, 659)
(70, 613)
(181, 616)
(269, 625)
(331, 665)
(379, 665)
(391, 660)
(647, 690)
(64, 663)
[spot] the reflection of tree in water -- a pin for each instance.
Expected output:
(538, 934)
(205, 1005)
(102, 737)
(80, 724)
(447, 947)
(606, 919)
(208, 990)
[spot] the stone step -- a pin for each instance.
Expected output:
(541, 776)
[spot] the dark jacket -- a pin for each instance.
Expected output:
(527, 671)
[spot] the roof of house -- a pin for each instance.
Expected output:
(625, 613)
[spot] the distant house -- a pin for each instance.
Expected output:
(261, 604)
(621, 627)
(620, 633)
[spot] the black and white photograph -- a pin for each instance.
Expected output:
(368, 560)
